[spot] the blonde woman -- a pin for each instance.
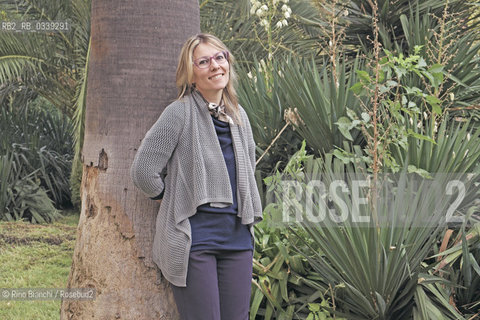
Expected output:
(199, 159)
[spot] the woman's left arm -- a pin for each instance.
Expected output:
(155, 151)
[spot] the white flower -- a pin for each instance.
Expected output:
(285, 1)
(284, 8)
(255, 6)
(270, 56)
(259, 13)
(279, 24)
(330, 43)
(249, 74)
(287, 14)
(345, 13)
(264, 22)
(285, 22)
(452, 96)
(264, 7)
(263, 64)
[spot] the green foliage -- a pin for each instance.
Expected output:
(449, 41)
(309, 101)
(413, 82)
(455, 149)
(446, 31)
(284, 287)
(43, 140)
(36, 150)
(459, 263)
(266, 105)
(318, 311)
(402, 108)
(21, 197)
(372, 269)
(52, 65)
(321, 99)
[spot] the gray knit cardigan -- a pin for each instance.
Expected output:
(184, 141)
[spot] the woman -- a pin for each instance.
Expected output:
(199, 158)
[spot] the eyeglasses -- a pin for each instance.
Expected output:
(204, 62)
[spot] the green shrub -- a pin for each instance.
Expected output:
(36, 153)
(21, 197)
(42, 141)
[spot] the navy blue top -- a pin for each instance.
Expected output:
(220, 228)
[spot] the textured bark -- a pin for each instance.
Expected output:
(135, 45)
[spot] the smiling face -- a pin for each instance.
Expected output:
(212, 80)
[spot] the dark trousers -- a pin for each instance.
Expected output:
(218, 286)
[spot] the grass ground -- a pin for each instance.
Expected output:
(35, 256)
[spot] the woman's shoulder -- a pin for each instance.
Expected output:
(177, 109)
(173, 115)
(178, 105)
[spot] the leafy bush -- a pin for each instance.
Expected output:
(377, 269)
(460, 264)
(37, 141)
(21, 197)
(285, 286)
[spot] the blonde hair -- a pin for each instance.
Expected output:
(184, 78)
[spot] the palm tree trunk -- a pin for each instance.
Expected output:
(135, 45)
